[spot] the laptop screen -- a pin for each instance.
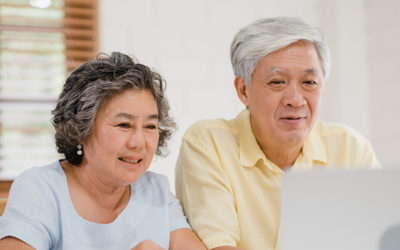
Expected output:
(332, 209)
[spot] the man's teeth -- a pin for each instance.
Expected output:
(130, 161)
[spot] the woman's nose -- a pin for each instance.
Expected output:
(136, 139)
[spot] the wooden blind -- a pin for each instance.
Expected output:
(80, 31)
(38, 47)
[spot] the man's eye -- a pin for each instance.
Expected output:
(311, 85)
(276, 82)
(124, 125)
(310, 82)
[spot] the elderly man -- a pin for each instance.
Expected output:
(228, 174)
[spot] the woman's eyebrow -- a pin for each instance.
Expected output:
(132, 117)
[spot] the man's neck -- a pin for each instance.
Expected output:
(282, 156)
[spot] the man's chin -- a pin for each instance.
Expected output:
(294, 137)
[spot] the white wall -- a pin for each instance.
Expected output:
(347, 95)
(188, 43)
(383, 36)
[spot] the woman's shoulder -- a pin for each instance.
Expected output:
(33, 208)
(43, 181)
(50, 172)
(154, 179)
(152, 184)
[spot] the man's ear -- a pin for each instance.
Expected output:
(242, 90)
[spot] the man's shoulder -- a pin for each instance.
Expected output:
(337, 135)
(332, 129)
(344, 145)
(205, 127)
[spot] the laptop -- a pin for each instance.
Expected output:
(338, 209)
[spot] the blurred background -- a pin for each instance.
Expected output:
(188, 43)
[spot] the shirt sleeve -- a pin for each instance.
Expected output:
(27, 216)
(360, 151)
(368, 157)
(206, 193)
(177, 219)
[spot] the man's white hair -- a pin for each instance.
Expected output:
(265, 36)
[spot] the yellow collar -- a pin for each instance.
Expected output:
(313, 148)
(251, 154)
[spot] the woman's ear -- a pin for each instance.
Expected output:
(242, 90)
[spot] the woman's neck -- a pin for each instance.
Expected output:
(93, 198)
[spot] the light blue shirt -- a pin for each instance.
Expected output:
(40, 212)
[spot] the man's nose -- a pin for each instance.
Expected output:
(294, 96)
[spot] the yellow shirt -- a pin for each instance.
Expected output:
(231, 192)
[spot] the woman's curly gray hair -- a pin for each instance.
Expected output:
(90, 85)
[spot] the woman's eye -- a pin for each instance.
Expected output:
(151, 126)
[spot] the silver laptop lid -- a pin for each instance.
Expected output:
(337, 209)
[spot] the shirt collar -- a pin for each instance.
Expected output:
(249, 151)
(251, 154)
(313, 148)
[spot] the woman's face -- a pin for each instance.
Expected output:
(124, 138)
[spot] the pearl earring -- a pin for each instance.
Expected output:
(79, 152)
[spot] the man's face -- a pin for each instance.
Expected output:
(284, 96)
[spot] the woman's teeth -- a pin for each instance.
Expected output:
(129, 161)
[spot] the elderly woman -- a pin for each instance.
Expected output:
(110, 119)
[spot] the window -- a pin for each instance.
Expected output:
(38, 47)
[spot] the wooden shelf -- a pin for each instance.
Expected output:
(4, 188)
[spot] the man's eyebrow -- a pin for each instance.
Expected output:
(132, 117)
(274, 70)
(311, 71)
